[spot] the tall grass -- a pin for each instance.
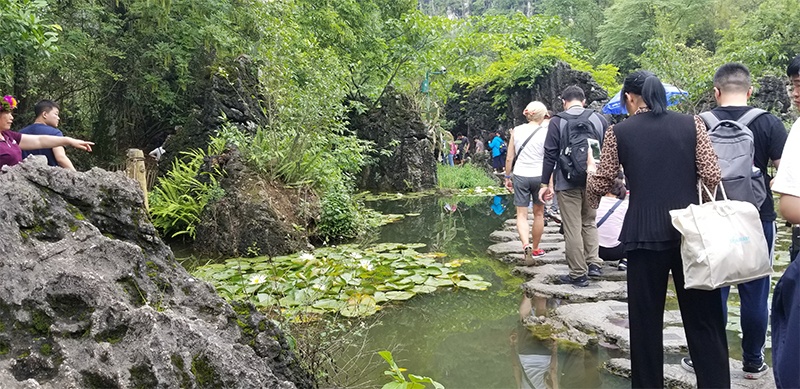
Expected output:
(463, 177)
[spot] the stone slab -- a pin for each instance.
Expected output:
(515, 247)
(610, 271)
(507, 236)
(544, 286)
(551, 257)
(549, 229)
(677, 377)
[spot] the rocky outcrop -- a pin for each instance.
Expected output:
(254, 217)
(473, 113)
(233, 96)
(404, 152)
(92, 298)
(771, 95)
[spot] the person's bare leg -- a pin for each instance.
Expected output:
(523, 228)
(538, 224)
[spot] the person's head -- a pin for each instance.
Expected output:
(47, 112)
(732, 80)
(535, 112)
(643, 89)
(793, 71)
(7, 105)
(573, 95)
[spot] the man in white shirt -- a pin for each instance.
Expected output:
(786, 296)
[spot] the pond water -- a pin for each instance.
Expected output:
(463, 338)
(472, 339)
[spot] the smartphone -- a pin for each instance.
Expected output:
(594, 145)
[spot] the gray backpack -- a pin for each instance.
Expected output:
(733, 143)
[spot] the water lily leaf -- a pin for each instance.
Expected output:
(329, 304)
(402, 272)
(359, 305)
(266, 299)
(435, 281)
(418, 279)
(419, 289)
(412, 214)
(474, 285)
(474, 277)
(380, 297)
(398, 295)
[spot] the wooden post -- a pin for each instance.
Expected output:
(134, 168)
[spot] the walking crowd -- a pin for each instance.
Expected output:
(618, 188)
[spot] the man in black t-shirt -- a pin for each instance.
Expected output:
(732, 89)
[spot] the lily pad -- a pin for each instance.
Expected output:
(474, 285)
(359, 305)
(397, 295)
(419, 289)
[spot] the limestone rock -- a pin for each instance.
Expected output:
(677, 377)
(771, 94)
(404, 151)
(254, 216)
(91, 297)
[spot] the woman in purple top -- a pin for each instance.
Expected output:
(12, 143)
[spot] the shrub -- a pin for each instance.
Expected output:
(463, 177)
(181, 196)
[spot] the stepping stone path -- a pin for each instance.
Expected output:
(597, 313)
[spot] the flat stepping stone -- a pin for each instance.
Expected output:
(512, 247)
(610, 271)
(677, 377)
(544, 285)
(549, 258)
(508, 236)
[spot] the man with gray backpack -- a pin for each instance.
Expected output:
(745, 140)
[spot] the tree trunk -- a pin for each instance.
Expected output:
(20, 69)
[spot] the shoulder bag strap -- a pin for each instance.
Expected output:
(608, 214)
(517, 153)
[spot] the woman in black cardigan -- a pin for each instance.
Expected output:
(663, 154)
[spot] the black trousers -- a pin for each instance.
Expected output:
(701, 312)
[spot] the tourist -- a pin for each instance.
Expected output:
(453, 150)
(524, 165)
(664, 153)
(577, 217)
(12, 143)
(610, 216)
(732, 89)
(551, 205)
(480, 147)
(496, 145)
(786, 296)
(46, 123)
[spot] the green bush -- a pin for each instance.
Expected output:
(463, 177)
(181, 196)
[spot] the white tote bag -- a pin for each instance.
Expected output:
(723, 242)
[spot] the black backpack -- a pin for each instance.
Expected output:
(575, 133)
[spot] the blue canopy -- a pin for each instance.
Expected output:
(615, 106)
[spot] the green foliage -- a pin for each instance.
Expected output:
(764, 39)
(342, 279)
(581, 19)
(300, 158)
(23, 30)
(466, 176)
(400, 381)
(178, 200)
(342, 216)
(689, 68)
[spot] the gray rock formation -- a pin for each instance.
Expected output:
(254, 216)
(234, 97)
(404, 153)
(771, 94)
(474, 114)
(92, 298)
(678, 378)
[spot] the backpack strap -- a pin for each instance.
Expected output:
(710, 119)
(750, 115)
(609, 213)
(565, 117)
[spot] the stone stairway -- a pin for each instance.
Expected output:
(597, 313)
